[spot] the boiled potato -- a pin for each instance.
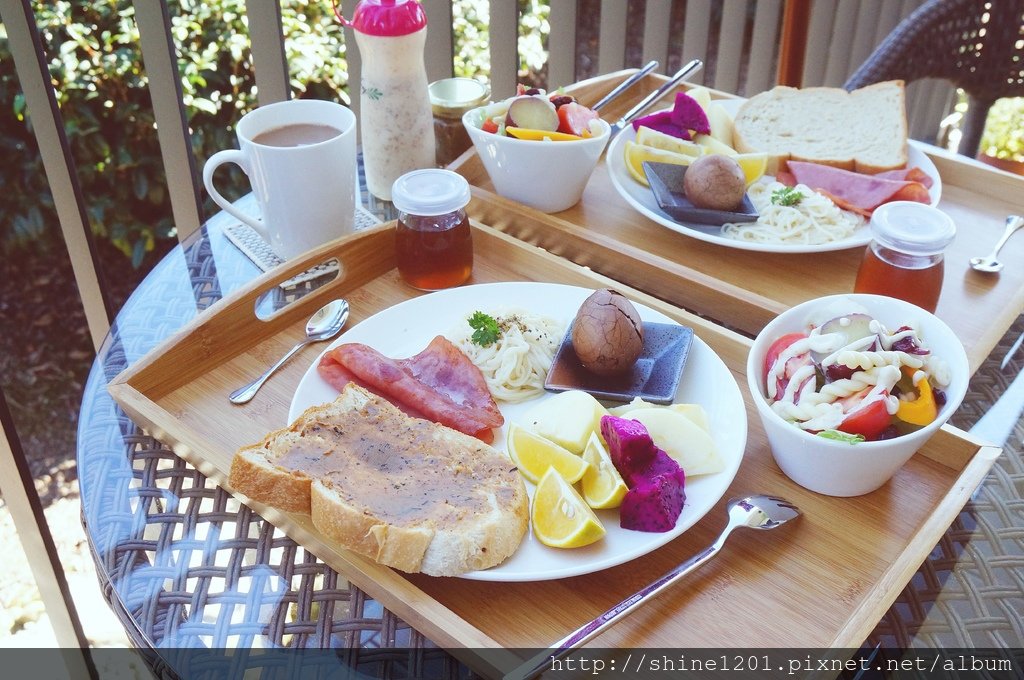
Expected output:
(721, 123)
(711, 145)
(696, 413)
(687, 443)
(567, 419)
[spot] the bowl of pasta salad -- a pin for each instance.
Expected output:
(849, 387)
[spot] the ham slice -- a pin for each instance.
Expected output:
(440, 384)
(855, 191)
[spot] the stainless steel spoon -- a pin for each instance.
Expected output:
(753, 512)
(323, 325)
(989, 263)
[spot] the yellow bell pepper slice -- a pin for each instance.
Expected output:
(526, 133)
(923, 409)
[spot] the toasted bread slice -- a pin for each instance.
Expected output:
(403, 491)
(864, 130)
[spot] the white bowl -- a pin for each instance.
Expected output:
(837, 468)
(549, 176)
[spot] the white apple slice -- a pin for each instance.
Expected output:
(682, 439)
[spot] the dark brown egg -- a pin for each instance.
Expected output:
(715, 182)
(607, 333)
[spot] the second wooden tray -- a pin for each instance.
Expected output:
(825, 582)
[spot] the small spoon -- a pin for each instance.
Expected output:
(323, 325)
(753, 512)
(989, 263)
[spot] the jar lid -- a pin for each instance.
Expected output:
(911, 227)
(389, 18)
(430, 192)
(452, 97)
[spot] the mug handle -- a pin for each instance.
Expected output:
(214, 162)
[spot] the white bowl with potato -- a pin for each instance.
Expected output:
(547, 174)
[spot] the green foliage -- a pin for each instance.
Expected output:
(96, 66)
(1004, 130)
(470, 21)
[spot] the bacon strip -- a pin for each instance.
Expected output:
(856, 191)
(440, 384)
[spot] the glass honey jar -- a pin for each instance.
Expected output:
(433, 240)
(905, 258)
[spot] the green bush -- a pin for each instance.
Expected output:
(96, 66)
(1004, 130)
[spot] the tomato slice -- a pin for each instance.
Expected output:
(489, 126)
(868, 421)
(774, 350)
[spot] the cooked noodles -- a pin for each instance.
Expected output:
(516, 365)
(814, 220)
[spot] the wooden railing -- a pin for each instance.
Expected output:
(795, 42)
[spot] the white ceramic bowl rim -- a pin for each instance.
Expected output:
(471, 117)
(953, 399)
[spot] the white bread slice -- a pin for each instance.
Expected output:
(408, 493)
(864, 130)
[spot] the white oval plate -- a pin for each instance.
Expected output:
(406, 328)
(642, 199)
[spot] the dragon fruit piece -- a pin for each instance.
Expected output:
(654, 505)
(688, 115)
(629, 445)
(660, 464)
(662, 122)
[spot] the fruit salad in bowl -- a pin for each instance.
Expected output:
(848, 387)
(538, 149)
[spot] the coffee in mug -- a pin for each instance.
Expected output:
(300, 157)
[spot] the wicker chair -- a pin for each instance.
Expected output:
(978, 45)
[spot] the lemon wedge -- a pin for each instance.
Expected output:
(754, 165)
(534, 455)
(655, 139)
(636, 154)
(602, 484)
(561, 518)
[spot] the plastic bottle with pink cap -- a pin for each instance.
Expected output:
(396, 123)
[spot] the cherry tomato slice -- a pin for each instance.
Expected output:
(489, 126)
(774, 350)
(574, 119)
(868, 421)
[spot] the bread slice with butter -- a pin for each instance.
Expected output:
(864, 130)
(403, 491)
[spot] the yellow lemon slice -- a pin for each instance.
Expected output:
(602, 484)
(636, 154)
(526, 133)
(655, 139)
(534, 455)
(561, 519)
(753, 164)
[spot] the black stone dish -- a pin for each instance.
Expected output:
(663, 176)
(654, 377)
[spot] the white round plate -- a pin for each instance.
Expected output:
(405, 329)
(642, 199)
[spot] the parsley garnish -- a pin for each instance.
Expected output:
(787, 196)
(838, 436)
(485, 329)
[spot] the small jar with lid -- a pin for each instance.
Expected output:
(905, 257)
(433, 240)
(449, 99)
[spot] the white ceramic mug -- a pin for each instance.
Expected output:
(302, 174)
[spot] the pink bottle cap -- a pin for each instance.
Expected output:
(388, 18)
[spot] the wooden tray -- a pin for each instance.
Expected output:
(825, 582)
(744, 289)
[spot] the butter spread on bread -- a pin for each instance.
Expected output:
(406, 492)
(864, 130)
